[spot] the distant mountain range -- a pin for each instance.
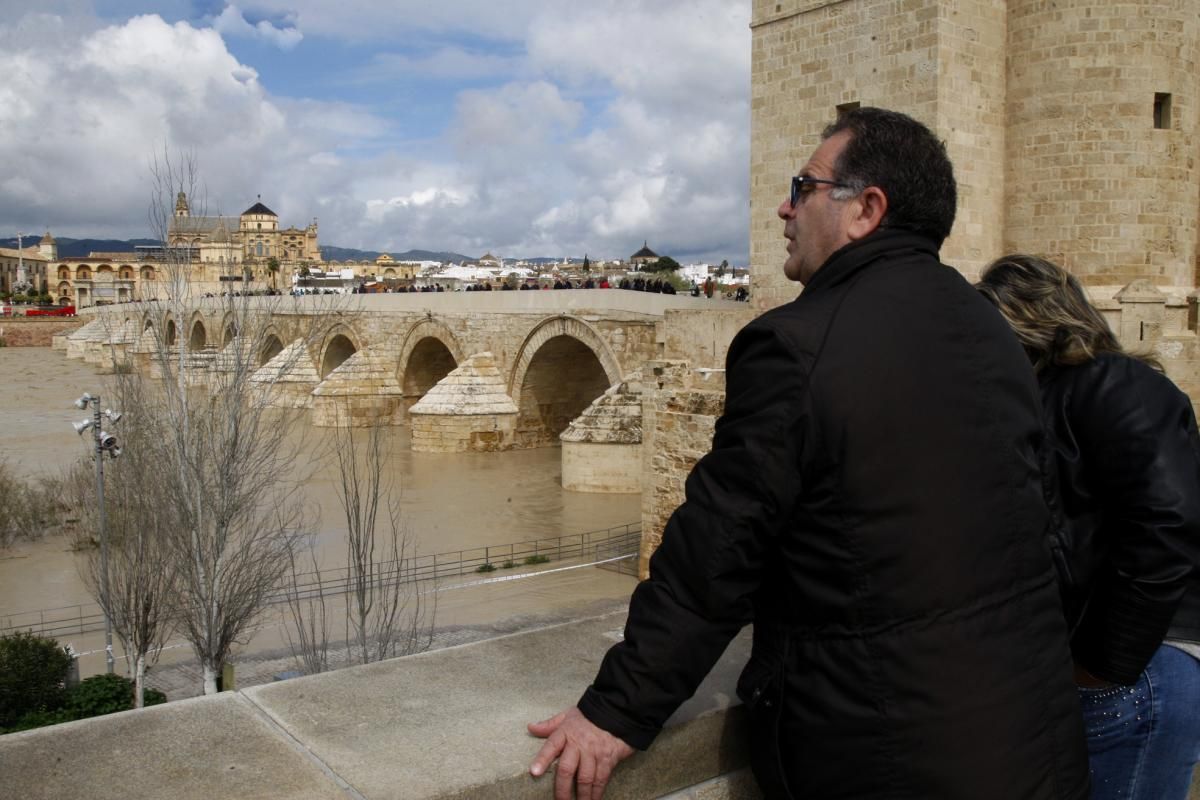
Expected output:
(332, 253)
(78, 248)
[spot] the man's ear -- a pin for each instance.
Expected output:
(868, 210)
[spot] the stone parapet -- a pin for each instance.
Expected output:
(444, 724)
(468, 410)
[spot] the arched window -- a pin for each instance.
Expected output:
(258, 249)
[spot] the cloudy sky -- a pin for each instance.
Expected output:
(523, 127)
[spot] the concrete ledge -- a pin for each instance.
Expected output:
(446, 724)
(191, 750)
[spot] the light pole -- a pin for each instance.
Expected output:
(105, 442)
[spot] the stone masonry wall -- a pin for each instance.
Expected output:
(1091, 183)
(679, 413)
(807, 58)
(22, 332)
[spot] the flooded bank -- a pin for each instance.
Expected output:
(450, 501)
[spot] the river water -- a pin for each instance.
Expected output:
(450, 502)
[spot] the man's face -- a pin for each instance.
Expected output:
(817, 226)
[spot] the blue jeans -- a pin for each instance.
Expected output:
(1144, 740)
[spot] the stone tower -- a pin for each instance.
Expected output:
(1072, 125)
(1102, 174)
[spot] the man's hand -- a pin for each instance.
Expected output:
(586, 754)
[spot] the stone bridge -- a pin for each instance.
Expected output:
(468, 370)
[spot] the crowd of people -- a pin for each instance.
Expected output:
(637, 284)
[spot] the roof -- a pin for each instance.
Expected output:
(47, 239)
(645, 252)
(259, 208)
(194, 226)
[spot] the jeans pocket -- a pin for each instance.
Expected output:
(1112, 712)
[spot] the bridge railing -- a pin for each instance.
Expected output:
(598, 546)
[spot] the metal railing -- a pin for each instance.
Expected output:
(590, 546)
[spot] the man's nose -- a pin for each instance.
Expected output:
(785, 210)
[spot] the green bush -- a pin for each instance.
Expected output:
(93, 697)
(508, 564)
(486, 567)
(531, 560)
(105, 694)
(33, 673)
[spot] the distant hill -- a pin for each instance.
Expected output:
(78, 248)
(333, 253)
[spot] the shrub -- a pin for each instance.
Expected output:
(486, 567)
(508, 564)
(33, 672)
(538, 559)
(93, 697)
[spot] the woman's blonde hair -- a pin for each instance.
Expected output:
(1049, 311)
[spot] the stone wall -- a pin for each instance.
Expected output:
(679, 412)
(25, 332)
(808, 57)
(1048, 111)
(1091, 182)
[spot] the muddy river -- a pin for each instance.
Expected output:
(450, 501)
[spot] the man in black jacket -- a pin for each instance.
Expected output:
(873, 505)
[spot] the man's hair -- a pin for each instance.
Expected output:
(907, 161)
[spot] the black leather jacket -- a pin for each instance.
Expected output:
(1123, 449)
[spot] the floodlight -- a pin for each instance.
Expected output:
(113, 416)
(80, 427)
(107, 440)
(83, 401)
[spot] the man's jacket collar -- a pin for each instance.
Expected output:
(852, 258)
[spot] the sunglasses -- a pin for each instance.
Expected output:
(802, 185)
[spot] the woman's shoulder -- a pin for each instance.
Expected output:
(1112, 386)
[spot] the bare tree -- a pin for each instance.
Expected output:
(308, 631)
(385, 612)
(386, 615)
(223, 464)
(141, 596)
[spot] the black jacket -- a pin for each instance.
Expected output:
(873, 503)
(1125, 455)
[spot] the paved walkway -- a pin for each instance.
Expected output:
(491, 606)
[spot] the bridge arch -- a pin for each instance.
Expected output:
(562, 366)
(340, 343)
(271, 347)
(197, 334)
(430, 353)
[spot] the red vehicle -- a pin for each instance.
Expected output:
(51, 311)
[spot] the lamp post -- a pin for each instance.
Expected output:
(104, 442)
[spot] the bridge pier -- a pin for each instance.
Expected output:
(602, 447)
(467, 411)
(362, 390)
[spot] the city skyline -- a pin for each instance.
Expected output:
(533, 128)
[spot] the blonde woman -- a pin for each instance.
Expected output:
(1122, 458)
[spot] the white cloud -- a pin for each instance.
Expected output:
(232, 21)
(607, 124)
